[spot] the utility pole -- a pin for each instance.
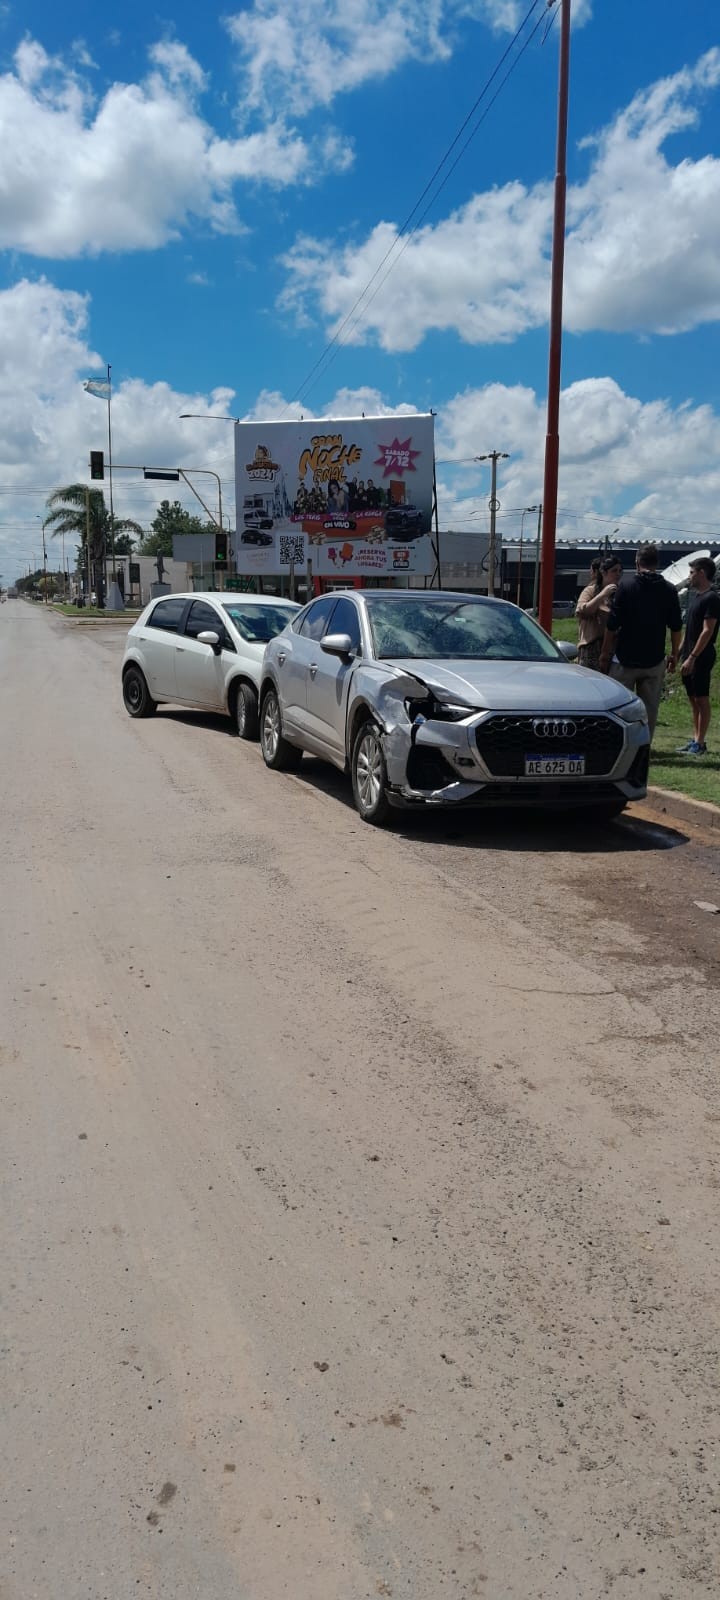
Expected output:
(552, 437)
(494, 456)
(45, 575)
(536, 583)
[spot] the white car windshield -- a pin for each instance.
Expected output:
(258, 624)
(455, 629)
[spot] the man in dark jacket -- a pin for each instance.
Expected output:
(697, 651)
(643, 608)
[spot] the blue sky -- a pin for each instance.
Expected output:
(199, 199)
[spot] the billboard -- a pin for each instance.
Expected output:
(353, 496)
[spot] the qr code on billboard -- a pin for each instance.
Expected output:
(292, 549)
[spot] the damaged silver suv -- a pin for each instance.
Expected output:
(435, 699)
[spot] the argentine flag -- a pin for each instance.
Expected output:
(97, 386)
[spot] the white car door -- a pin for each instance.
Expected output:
(199, 671)
(295, 654)
(329, 680)
(159, 639)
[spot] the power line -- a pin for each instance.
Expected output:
(335, 343)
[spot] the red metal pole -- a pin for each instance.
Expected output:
(552, 437)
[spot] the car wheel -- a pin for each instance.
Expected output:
(369, 776)
(277, 751)
(246, 712)
(136, 695)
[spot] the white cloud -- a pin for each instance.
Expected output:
(619, 456)
(651, 462)
(644, 239)
(504, 16)
(179, 67)
(128, 172)
(643, 248)
(303, 54)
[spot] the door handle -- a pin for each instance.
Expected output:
(180, 649)
(281, 657)
(312, 669)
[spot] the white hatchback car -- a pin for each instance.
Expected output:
(203, 651)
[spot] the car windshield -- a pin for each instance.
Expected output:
(258, 624)
(454, 628)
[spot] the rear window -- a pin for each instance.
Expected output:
(167, 614)
(258, 624)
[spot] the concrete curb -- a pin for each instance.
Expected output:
(680, 806)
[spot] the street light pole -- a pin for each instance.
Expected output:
(526, 512)
(208, 416)
(494, 456)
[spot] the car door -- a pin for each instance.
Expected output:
(159, 640)
(199, 672)
(329, 679)
(297, 649)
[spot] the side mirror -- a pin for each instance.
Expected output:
(567, 649)
(337, 644)
(209, 636)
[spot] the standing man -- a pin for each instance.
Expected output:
(697, 651)
(643, 607)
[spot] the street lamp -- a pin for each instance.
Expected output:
(205, 416)
(494, 456)
(525, 513)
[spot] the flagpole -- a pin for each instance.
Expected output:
(112, 509)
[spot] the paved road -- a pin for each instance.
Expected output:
(359, 1191)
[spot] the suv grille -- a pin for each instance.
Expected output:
(504, 742)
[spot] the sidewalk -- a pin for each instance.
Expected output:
(681, 808)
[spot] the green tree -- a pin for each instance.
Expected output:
(171, 519)
(68, 514)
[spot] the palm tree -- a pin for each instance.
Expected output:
(81, 513)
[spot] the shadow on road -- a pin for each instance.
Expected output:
(542, 832)
(539, 831)
(198, 719)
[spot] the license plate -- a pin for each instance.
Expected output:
(547, 766)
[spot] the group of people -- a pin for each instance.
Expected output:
(309, 501)
(366, 496)
(624, 621)
(341, 499)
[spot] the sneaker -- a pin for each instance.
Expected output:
(684, 749)
(696, 749)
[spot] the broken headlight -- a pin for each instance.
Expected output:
(432, 707)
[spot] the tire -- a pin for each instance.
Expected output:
(246, 712)
(369, 776)
(277, 752)
(136, 695)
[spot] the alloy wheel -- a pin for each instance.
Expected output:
(271, 727)
(369, 771)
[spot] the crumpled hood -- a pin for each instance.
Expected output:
(519, 685)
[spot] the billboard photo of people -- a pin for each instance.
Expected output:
(353, 496)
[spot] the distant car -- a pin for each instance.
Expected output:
(440, 699)
(257, 519)
(203, 651)
(255, 535)
(403, 522)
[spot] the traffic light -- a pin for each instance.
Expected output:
(221, 549)
(97, 464)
